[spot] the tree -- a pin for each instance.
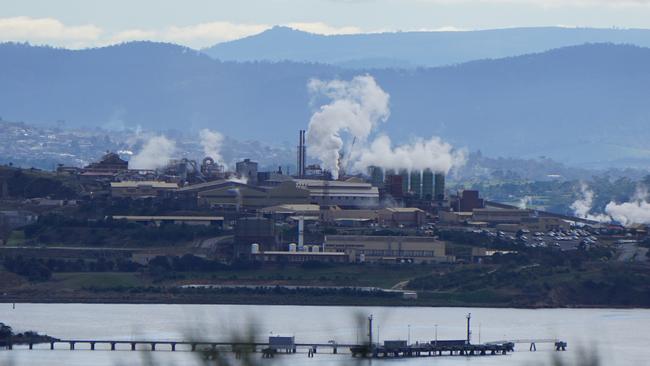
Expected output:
(5, 331)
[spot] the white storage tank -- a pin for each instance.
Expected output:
(255, 248)
(315, 248)
(293, 247)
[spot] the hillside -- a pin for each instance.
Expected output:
(581, 105)
(413, 49)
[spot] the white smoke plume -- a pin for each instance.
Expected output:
(637, 211)
(582, 206)
(211, 142)
(525, 202)
(236, 179)
(356, 107)
(421, 154)
(155, 153)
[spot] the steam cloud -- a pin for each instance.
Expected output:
(211, 142)
(433, 154)
(636, 211)
(155, 153)
(582, 206)
(524, 202)
(356, 109)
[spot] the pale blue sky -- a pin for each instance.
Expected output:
(200, 23)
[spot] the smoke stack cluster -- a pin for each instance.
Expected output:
(302, 155)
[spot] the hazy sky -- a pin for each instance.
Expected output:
(201, 23)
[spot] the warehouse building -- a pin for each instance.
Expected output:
(141, 189)
(177, 220)
(389, 249)
(245, 196)
(350, 193)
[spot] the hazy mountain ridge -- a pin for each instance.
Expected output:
(577, 104)
(413, 49)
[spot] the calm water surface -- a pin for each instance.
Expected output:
(620, 337)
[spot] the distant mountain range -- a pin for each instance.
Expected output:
(412, 49)
(587, 104)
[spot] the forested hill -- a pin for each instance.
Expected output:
(576, 104)
(413, 49)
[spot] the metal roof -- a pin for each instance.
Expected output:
(169, 218)
(145, 183)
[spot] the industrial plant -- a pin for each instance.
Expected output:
(310, 216)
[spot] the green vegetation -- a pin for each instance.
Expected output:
(32, 183)
(16, 238)
(543, 279)
(101, 280)
(59, 229)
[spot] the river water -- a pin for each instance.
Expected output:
(618, 337)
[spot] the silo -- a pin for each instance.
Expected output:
(376, 176)
(439, 193)
(427, 184)
(416, 183)
(405, 180)
(293, 247)
(255, 248)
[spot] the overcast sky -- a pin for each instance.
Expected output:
(201, 23)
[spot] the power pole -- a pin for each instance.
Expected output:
(469, 332)
(370, 330)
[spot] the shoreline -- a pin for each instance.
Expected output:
(292, 302)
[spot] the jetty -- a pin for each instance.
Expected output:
(287, 344)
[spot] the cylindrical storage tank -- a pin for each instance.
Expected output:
(315, 248)
(362, 257)
(293, 247)
(255, 248)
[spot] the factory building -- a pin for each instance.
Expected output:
(255, 230)
(467, 201)
(389, 249)
(393, 186)
(402, 217)
(283, 212)
(229, 194)
(500, 215)
(349, 193)
(544, 224)
(247, 169)
(177, 220)
(387, 217)
(141, 189)
(296, 256)
(111, 162)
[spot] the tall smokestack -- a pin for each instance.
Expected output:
(302, 155)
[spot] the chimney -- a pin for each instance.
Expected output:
(302, 155)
